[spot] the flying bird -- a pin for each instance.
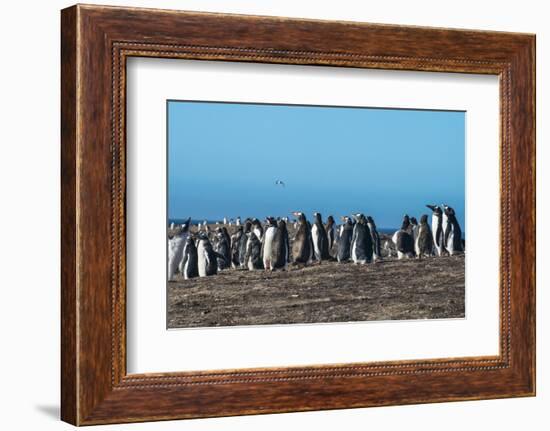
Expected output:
(279, 183)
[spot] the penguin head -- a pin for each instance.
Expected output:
(406, 222)
(414, 221)
(271, 221)
(281, 224)
(370, 220)
(185, 226)
(424, 219)
(317, 217)
(247, 226)
(299, 215)
(359, 217)
(256, 222)
(448, 210)
(330, 220)
(190, 240)
(436, 210)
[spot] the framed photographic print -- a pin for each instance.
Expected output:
(267, 215)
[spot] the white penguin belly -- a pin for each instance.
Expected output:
(175, 254)
(315, 236)
(268, 246)
(201, 260)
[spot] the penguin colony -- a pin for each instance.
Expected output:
(256, 246)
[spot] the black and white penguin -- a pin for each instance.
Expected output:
(403, 239)
(223, 247)
(175, 249)
(189, 265)
(453, 233)
(376, 250)
(302, 251)
(207, 257)
(319, 238)
(253, 255)
(280, 255)
(243, 242)
(257, 228)
(235, 246)
(437, 229)
(332, 232)
(361, 241)
(267, 243)
(424, 242)
(344, 240)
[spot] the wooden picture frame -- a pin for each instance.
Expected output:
(95, 43)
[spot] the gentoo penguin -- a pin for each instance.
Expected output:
(453, 233)
(302, 251)
(437, 228)
(423, 244)
(376, 251)
(331, 232)
(253, 255)
(267, 243)
(243, 241)
(403, 239)
(344, 240)
(189, 265)
(361, 241)
(257, 228)
(207, 257)
(223, 247)
(175, 249)
(280, 246)
(235, 247)
(319, 237)
(413, 230)
(387, 247)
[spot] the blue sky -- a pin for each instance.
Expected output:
(224, 159)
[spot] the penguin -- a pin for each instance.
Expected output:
(189, 265)
(257, 228)
(344, 240)
(243, 242)
(413, 230)
(320, 239)
(280, 247)
(267, 244)
(175, 249)
(172, 225)
(331, 232)
(238, 221)
(388, 248)
(207, 257)
(302, 251)
(223, 247)
(453, 233)
(235, 247)
(253, 255)
(361, 241)
(437, 228)
(423, 244)
(403, 239)
(376, 251)
(225, 220)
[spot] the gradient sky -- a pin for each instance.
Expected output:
(224, 159)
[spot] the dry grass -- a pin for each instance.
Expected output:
(429, 288)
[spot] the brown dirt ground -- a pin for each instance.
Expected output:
(429, 288)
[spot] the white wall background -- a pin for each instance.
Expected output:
(29, 215)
